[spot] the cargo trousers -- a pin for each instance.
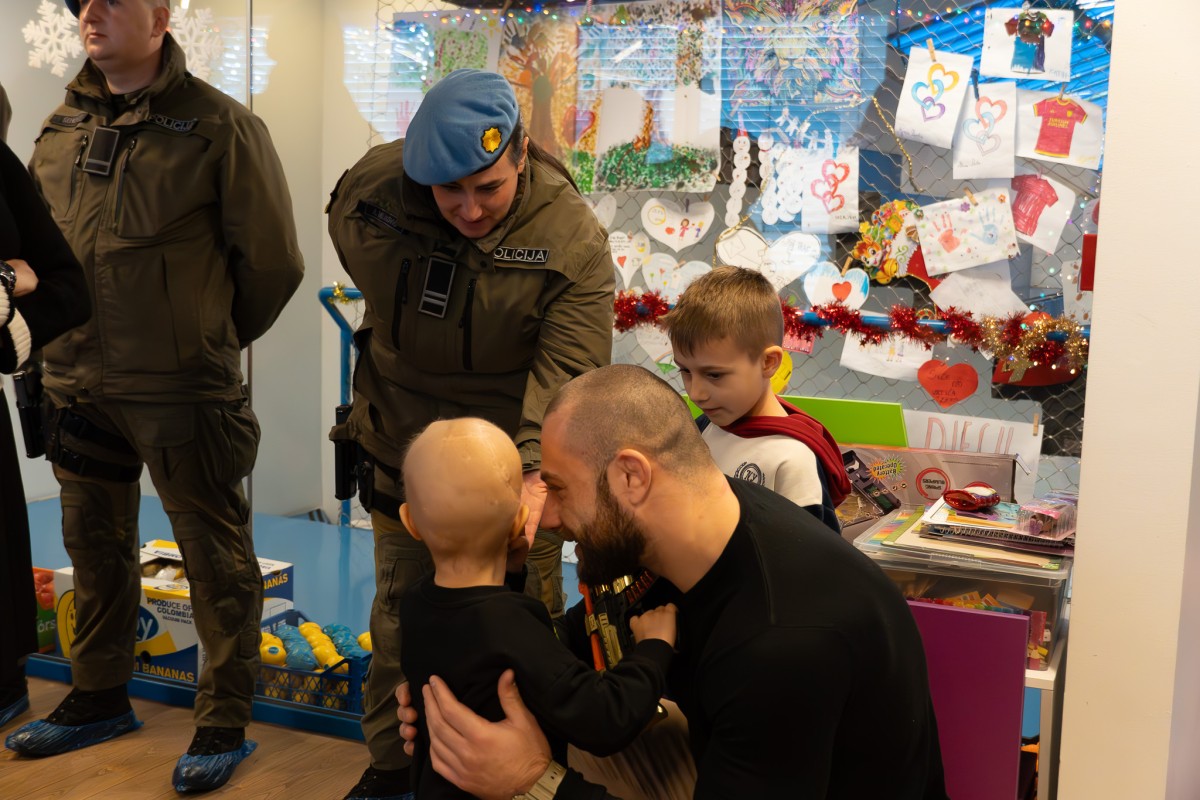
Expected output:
(197, 456)
(401, 561)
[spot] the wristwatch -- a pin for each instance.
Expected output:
(8, 278)
(547, 785)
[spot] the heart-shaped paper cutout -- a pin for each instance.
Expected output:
(841, 290)
(948, 385)
(745, 247)
(677, 227)
(664, 274)
(819, 285)
(789, 257)
(622, 256)
(654, 341)
(605, 209)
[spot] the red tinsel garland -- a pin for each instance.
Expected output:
(1007, 335)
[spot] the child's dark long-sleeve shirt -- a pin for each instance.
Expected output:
(468, 637)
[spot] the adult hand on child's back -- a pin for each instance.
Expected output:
(491, 760)
(657, 623)
(407, 716)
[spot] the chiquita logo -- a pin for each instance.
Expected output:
(147, 625)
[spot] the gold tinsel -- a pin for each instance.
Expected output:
(1018, 358)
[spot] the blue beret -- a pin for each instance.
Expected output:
(463, 126)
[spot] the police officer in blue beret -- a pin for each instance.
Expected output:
(488, 285)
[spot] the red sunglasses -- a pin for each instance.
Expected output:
(964, 500)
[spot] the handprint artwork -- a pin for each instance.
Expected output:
(968, 232)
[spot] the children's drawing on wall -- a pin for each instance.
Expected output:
(985, 143)
(677, 226)
(647, 115)
(967, 232)
(1060, 128)
(895, 357)
(784, 60)
(831, 197)
(1041, 207)
(1027, 42)
(888, 241)
(457, 48)
(935, 86)
(538, 58)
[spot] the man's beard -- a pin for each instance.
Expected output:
(615, 543)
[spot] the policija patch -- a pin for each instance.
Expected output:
(522, 255)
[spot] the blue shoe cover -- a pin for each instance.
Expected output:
(42, 738)
(202, 773)
(19, 707)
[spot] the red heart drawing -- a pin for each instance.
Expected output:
(834, 172)
(621, 260)
(832, 202)
(669, 230)
(948, 385)
(841, 290)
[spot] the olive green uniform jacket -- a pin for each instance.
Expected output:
(188, 245)
(530, 305)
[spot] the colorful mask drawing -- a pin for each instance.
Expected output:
(784, 60)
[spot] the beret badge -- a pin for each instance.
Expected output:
(491, 139)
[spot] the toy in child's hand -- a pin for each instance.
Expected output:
(971, 499)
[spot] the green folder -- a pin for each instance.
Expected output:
(852, 421)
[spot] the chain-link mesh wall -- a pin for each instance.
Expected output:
(824, 71)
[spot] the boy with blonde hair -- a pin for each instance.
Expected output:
(726, 332)
(463, 480)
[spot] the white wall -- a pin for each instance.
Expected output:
(286, 371)
(1130, 726)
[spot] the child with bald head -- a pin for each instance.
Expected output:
(466, 626)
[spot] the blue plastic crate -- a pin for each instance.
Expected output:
(331, 690)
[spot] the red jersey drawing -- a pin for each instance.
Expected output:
(1034, 194)
(1059, 118)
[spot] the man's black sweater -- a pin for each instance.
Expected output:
(800, 670)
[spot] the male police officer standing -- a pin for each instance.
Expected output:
(488, 284)
(173, 199)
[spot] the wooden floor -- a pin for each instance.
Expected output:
(290, 764)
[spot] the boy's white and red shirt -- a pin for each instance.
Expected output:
(782, 463)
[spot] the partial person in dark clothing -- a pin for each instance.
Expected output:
(465, 625)
(42, 295)
(796, 652)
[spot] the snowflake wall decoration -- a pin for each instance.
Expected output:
(55, 38)
(200, 39)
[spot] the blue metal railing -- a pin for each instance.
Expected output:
(331, 297)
